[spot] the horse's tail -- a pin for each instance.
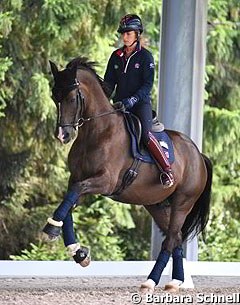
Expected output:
(197, 219)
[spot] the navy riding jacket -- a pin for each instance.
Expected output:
(133, 76)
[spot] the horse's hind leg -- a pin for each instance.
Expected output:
(177, 271)
(181, 206)
(161, 215)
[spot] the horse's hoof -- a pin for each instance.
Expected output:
(148, 286)
(85, 262)
(49, 238)
(172, 288)
(83, 256)
(52, 231)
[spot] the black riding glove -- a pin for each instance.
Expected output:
(130, 101)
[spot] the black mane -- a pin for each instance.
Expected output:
(85, 64)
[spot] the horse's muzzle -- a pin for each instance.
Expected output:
(65, 134)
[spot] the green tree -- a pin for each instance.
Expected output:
(221, 130)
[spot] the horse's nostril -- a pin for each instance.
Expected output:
(66, 135)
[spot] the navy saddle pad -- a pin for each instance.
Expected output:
(142, 154)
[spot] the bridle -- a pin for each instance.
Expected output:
(79, 120)
(80, 104)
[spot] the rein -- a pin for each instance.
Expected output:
(79, 122)
(82, 121)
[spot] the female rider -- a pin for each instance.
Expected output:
(130, 76)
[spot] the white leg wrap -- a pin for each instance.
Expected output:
(150, 283)
(173, 286)
(175, 282)
(148, 286)
(55, 222)
(72, 249)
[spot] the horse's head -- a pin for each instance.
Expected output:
(69, 101)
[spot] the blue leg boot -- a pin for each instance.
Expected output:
(155, 275)
(177, 270)
(54, 225)
(81, 255)
(159, 266)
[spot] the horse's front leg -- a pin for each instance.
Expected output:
(54, 224)
(80, 254)
(102, 183)
(98, 184)
(62, 217)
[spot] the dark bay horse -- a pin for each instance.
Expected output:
(99, 158)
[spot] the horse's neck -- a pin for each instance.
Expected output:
(96, 101)
(97, 107)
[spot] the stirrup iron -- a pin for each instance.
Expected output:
(170, 180)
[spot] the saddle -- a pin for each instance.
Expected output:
(138, 150)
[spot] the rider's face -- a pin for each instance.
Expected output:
(129, 38)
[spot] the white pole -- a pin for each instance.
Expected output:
(181, 79)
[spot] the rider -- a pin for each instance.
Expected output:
(130, 75)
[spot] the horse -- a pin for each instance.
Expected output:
(100, 157)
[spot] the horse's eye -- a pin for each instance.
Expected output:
(73, 100)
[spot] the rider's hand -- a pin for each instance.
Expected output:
(118, 106)
(130, 102)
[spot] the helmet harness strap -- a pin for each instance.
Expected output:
(136, 40)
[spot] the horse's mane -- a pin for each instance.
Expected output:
(85, 64)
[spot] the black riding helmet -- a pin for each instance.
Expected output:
(130, 22)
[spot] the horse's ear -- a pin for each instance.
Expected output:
(54, 68)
